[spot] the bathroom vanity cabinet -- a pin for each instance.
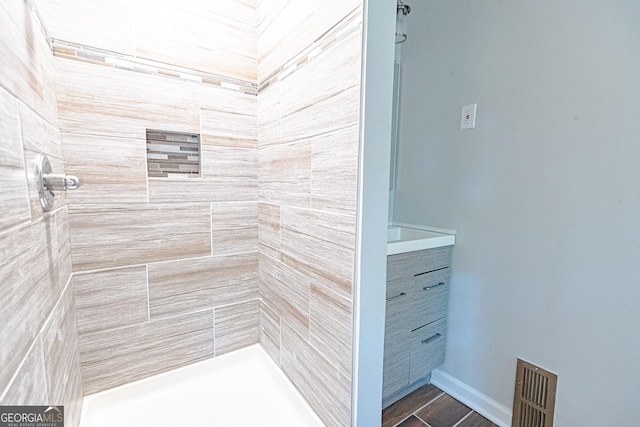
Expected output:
(416, 319)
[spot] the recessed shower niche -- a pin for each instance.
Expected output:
(172, 154)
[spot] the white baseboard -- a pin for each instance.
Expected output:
(482, 404)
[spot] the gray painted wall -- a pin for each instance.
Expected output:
(544, 193)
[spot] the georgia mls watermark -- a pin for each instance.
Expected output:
(31, 416)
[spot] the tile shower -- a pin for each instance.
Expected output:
(145, 274)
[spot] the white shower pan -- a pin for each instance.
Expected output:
(242, 388)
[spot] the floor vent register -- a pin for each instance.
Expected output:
(534, 397)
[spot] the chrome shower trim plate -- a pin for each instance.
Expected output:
(46, 196)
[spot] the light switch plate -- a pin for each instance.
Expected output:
(468, 118)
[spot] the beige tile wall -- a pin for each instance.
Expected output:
(40, 136)
(105, 236)
(179, 257)
(98, 159)
(208, 36)
(28, 75)
(286, 28)
(38, 338)
(327, 390)
(102, 23)
(116, 356)
(106, 101)
(120, 290)
(261, 247)
(181, 286)
(15, 207)
(307, 172)
(216, 37)
(228, 118)
(237, 326)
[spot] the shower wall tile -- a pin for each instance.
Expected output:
(61, 357)
(334, 171)
(308, 112)
(286, 28)
(320, 245)
(180, 231)
(331, 87)
(123, 355)
(30, 288)
(116, 103)
(338, 112)
(330, 326)
(267, 12)
(334, 71)
(269, 114)
(50, 373)
(228, 118)
(177, 287)
(105, 236)
(74, 395)
(234, 227)
(14, 198)
(34, 245)
(113, 170)
(270, 331)
(30, 384)
(228, 174)
(201, 190)
(269, 229)
(240, 165)
(305, 124)
(40, 137)
(63, 263)
(243, 11)
(286, 292)
(236, 326)
(28, 74)
(100, 295)
(320, 97)
(181, 34)
(218, 38)
(326, 389)
(285, 174)
(92, 23)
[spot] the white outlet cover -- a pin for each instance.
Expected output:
(468, 116)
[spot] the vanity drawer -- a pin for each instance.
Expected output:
(427, 349)
(400, 265)
(430, 300)
(431, 259)
(400, 288)
(417, 262)
(396, 352)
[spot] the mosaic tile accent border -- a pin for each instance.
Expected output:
(172, 154)
(339, 32)
(92, 55)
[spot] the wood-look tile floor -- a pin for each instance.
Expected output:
(429, 406)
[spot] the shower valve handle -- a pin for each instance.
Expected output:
(61, 182)
(48, 182)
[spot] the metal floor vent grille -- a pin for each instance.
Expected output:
(534, 397)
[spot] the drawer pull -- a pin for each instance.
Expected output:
(430, 339)
(397, 296)
(428, 288)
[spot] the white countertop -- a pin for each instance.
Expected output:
(403, 238)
